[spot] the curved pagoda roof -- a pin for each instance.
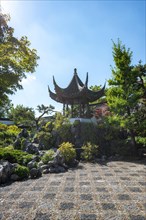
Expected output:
(77, 92)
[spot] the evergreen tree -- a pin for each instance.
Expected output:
(126, 90)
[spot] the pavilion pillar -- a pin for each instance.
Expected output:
(88, 110)
(72, 110)
(63, 109)
(83, 110)
(80, 110)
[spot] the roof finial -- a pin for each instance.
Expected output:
(75, 71)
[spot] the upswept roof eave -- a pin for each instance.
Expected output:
(54, 96)
(75, 86)
(93, 96)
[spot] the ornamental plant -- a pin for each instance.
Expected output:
(22, 171)
(90, 151)
(15, 156)
(8, 134)
(48, 156)
(67, 151)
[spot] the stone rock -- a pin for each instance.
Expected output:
(24, 133)
(60, 169)
(58, 158)
(74, 163)
(41, 153)
(41, 146)
(32, 149)
(32, 164)
(36, 158)
(57, 165)
(103, 158)
(35, 173)
(6, 170)
(40, 163)
(44, 167)
(17, 143)
(35, 139)
(45, 171)
(51, 163)
(52, 170)
(25, 143)
(14, 177)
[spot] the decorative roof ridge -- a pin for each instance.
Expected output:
(86, 82)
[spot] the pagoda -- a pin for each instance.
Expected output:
(76, 94)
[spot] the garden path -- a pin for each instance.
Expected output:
(116, 190)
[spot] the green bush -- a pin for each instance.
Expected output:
(123, 148)
(141, 141)
(49, 126)
(48, 156)
(22, 171)
(15, 156)
(8, 134)
(88, 132)
(67, 151)
(63, 127)
(90, 151)
(64, 132)
(45, 138)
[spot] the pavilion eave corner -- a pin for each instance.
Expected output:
(76, 93)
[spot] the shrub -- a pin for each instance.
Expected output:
(13, 130)
(122, 148)
(88, 132)
(45, 139)
(8, 134)
(141, 141)
(22, 171)
(64, 132)
(67, 151)
(48, 156)
(63, 128)
(49, 126)
(15, 156)
(9, 147)
(90, 151)
(26, 159)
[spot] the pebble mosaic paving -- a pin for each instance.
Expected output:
(114, 191)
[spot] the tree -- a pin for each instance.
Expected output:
(43, 110)
(26, 116)
(5, 108)
(22, 115)
(95, 89)
(16, 59)
(126, 90)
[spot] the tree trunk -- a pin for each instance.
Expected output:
(133, 141)
(132, 136)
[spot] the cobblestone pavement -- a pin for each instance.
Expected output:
(114, 191)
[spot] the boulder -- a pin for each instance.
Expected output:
(36, 158)
(44, 167)
(17, 143)
(14, 177)
(40, 163)
(45, 171)
(32, 164)
(57, 165)
(31, 149)
(58, 158)
(35, 173)
(6, 170)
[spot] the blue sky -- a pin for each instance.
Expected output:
(74, 34)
